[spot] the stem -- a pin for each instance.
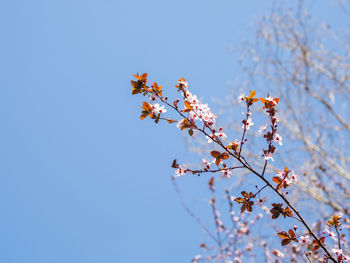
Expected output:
(244, 131)
(336, 230)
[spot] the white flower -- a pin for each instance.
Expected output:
(268, 156)
(268, 98)
(210, 139)
(303, 241)
(158, 109)
(206, 164)
(180, 171)
(294, 177)
(262, 128)
(179, 123)
(278, 138)
(152, 97)
(247, 124)
(196, 257)
(278, 253)
(221, 134)
(331, 234)
(241, 98)
(226, 173)
(337, 251)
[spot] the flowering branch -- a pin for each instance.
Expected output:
(195, 111)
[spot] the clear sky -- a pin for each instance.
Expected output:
(82, 179)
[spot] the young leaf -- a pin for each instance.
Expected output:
(283, 235)
(188, 104)
(215, 154)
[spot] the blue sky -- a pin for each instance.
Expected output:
(82, 179)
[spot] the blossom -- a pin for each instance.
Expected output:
(196, 257)
(221, 134)
(303, 241)
(206, 164)
(248, 247)
(262, 128)
(277, 138)
(278, 253)
(152, 97)
(158, 109)
(199, 110)
(268, 156)
(294, 177)
(288, 177)
(330, 233)
(340, 254)
(193, 115)
(192, 98)
(226, 173)
(268, 98)
(247, 123)
(179, 123)
(180, 171)
(261, 201)
(211, 138)
(241, 98)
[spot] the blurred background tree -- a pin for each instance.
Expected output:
(305, 62)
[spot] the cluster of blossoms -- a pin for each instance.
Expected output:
(284, 178)
(194, 112)
(271, 136)
(196, 109)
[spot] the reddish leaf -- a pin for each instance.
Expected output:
(291, 233)
(146, 106)
(277, 180)
(286, 241)
(283, 235)
(188, 105)
(215, 154)
(252, 94)
(239, 200)
(225, 156)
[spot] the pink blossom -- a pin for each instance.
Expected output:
(277, 138)
(196, 257)
(179, 123)
(210, 139)
(303, 241)
(262, 128)
(241, 98)
(268, 156)
(226, 174)
(157, 108)
(206, 164)
(152, 97)
(180, 171)
(221, 134)
(247, 124)
(331, 234)
(279, 253)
